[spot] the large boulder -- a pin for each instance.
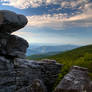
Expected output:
(13, 46)
(16, 46)
(10, 21)
(77, 80)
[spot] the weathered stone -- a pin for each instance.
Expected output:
(10, 21)
(3, 43)
(50, 71)
(16, 46)
(13, 46)
(76, 80)
(36, 86)
(7, 76)
(31, 70)
(49, 61)
(24, 73)
(91, 85)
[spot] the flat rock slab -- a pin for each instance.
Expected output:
(77, 80)
(10, 21)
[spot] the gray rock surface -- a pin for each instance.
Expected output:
(13, 46)
(36, 86)
(31, 70)
(7, 76)
(23, 73)
(77, 80)
(16, 46)
(10, 21)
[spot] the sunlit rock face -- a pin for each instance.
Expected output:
(76, 80)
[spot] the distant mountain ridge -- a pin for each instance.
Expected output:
(34, 50)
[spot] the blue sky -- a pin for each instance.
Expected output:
(54, 21)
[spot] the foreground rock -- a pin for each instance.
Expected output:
(10, 21)
(7, 76)
(76, 80)
(23, 73)
(27, 71)
(36, 86)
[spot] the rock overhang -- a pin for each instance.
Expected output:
(11, 22)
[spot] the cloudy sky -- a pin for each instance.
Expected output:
(54, 21)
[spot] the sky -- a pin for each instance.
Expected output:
(54, 21)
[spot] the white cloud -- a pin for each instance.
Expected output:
(60, 21)
(73, 3)
(36, 3)
(23, 3)
(57, 21)
(26, 3)
(54, 21)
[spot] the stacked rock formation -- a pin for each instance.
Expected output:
(12, 45)
(77, 80)
(18, 74)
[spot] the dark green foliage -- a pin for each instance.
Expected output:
(39, 56)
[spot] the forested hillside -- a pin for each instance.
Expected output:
(81, 56)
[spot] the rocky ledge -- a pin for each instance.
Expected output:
(77, 80)
(20, 75)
